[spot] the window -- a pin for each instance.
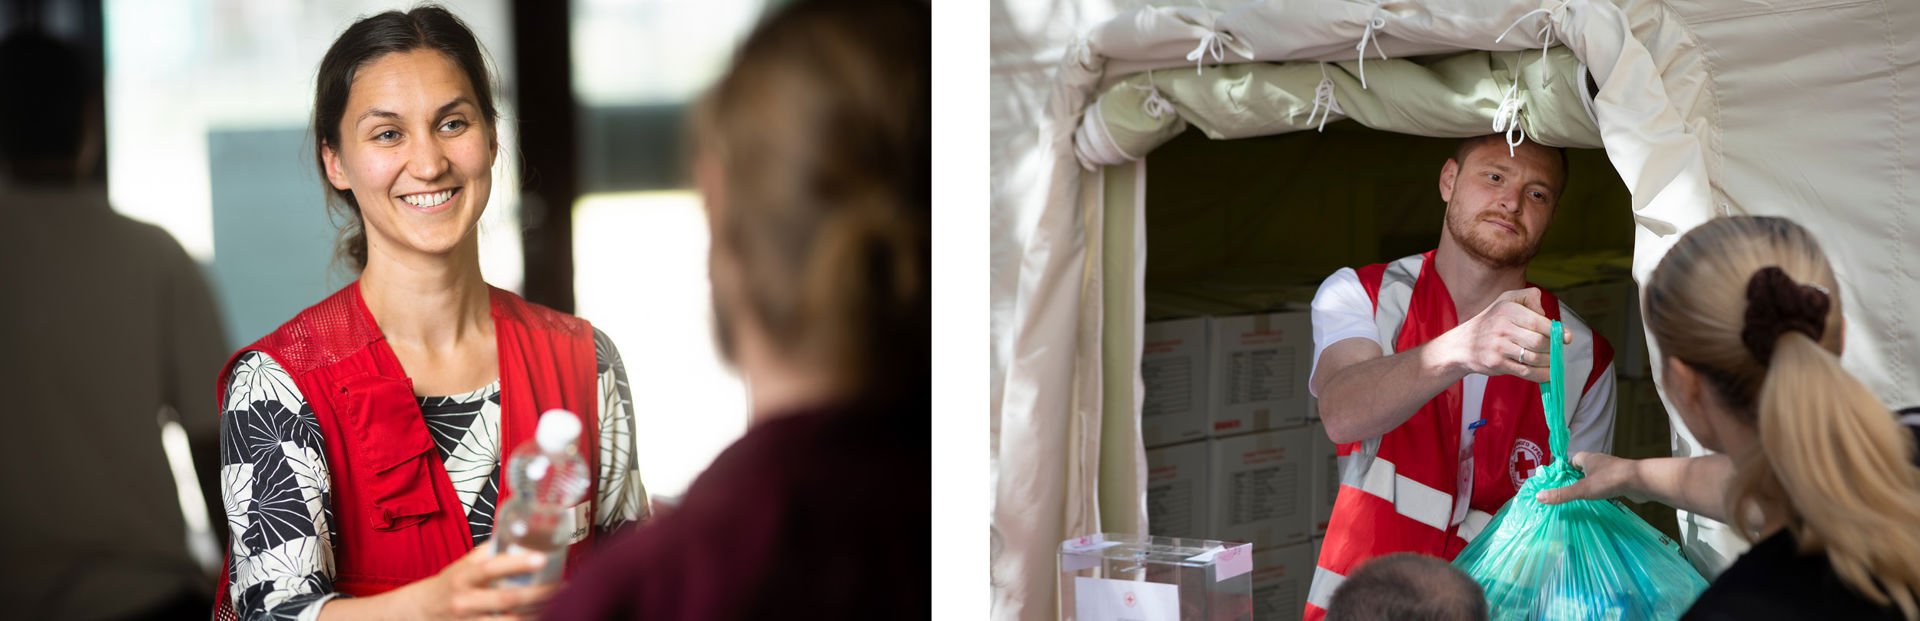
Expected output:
(640, 239)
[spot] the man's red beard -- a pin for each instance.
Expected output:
(1488, 248)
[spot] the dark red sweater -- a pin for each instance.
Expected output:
(820, 515)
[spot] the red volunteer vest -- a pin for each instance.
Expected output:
(1398, 490)
(396, 516)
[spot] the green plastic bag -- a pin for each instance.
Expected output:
(1585, 559)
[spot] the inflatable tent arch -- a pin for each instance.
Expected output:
(1068, 461)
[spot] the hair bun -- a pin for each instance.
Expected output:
(1777, 304)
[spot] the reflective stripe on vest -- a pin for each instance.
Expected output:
(1396, 294)
(1325, 581)
(1364, 469)
(1418, 501)
(1476, 521)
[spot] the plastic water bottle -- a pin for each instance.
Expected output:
(548, 479)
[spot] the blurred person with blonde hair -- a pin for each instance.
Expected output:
(812, 154)
(1812, 467)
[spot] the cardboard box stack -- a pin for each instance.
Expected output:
(1231, 452)
(1326, 476)
(1173, 368)
(1261, 490)
(1259, 372)
(1281, 578)
(1178, 490)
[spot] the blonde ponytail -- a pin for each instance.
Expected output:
(866, 290)
(1752, 304)
(1845, 465)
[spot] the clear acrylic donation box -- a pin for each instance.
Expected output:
(1110, 577)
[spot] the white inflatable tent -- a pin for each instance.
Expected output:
(1802, 109)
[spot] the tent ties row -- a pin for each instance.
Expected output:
(1506, 119)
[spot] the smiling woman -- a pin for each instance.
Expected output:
(416, 91)
(404, 167)
(349, 433)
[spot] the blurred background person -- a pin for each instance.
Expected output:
(1407, 587)
(812, 155)
(108, 330)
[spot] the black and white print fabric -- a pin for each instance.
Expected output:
(466, 430)
(622, 497)
(276, 483)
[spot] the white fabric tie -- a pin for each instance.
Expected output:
(1323, 103)
(1546, 34)
(1210, 44)
(1377, 21)
(1156, 105)
(1506, 119)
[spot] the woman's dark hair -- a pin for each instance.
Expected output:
(821, 130)
(426, 27)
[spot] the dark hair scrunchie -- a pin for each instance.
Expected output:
(1775, 305)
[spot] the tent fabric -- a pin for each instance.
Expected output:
(1123, 467)
(1459, 96)
(1799, 108)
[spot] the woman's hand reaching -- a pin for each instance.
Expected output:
(1606, 477)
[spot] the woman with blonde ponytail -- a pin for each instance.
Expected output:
(1812, 467)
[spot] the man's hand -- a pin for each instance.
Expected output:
(1508, 338)
(1365, 392)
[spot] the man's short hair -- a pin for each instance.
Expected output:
(1467, 146)
(1407, 587)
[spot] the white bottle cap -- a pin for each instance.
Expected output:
(558, 429)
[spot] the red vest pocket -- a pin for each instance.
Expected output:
(393, 455)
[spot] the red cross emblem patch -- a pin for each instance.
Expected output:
(1526, 456)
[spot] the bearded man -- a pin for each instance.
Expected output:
(1428, 369)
